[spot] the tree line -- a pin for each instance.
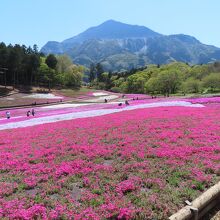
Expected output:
(166, 79)
(21, 65)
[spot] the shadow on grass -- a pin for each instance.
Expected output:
(24, 89)
(4, 91)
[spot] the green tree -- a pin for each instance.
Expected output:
(199, 71)
(99, 71)
(168, 82)
(46, 75)
(63, 63)
(191, 85)
(35, 49)
(136, 82)
(106, 78)
(14, 63)
(73, 77)
(212, 81)
(92, 72)
(51, 61)
(152, 86)
(33, 65)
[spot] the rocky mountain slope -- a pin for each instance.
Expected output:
(122, 46)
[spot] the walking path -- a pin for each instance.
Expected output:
(91, 113)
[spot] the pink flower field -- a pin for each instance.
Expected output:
(137, 164)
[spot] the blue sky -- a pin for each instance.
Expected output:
(38, 21)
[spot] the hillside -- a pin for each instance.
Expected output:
(122, 46)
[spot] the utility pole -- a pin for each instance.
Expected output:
(3, 72)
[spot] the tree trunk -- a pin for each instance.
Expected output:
(49, 85)
(31, 78)
(13, 80)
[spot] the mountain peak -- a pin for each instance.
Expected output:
(112, 29)
(111, 21)
(114, 22)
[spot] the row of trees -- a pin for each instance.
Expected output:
(167, 79)
(100, 79)
(21, 65)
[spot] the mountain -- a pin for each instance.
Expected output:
(122, 46)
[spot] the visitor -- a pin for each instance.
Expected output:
(8, 115)
(106, 100)
(33, 112)
(28, 113)
(126, 102)
(120, 104)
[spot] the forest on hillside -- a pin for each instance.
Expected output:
(172, 78)
(26, 66)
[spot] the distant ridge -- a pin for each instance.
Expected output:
(122, 46)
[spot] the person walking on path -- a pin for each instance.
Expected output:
(8, 115)
(33, 112)
(28, 113)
